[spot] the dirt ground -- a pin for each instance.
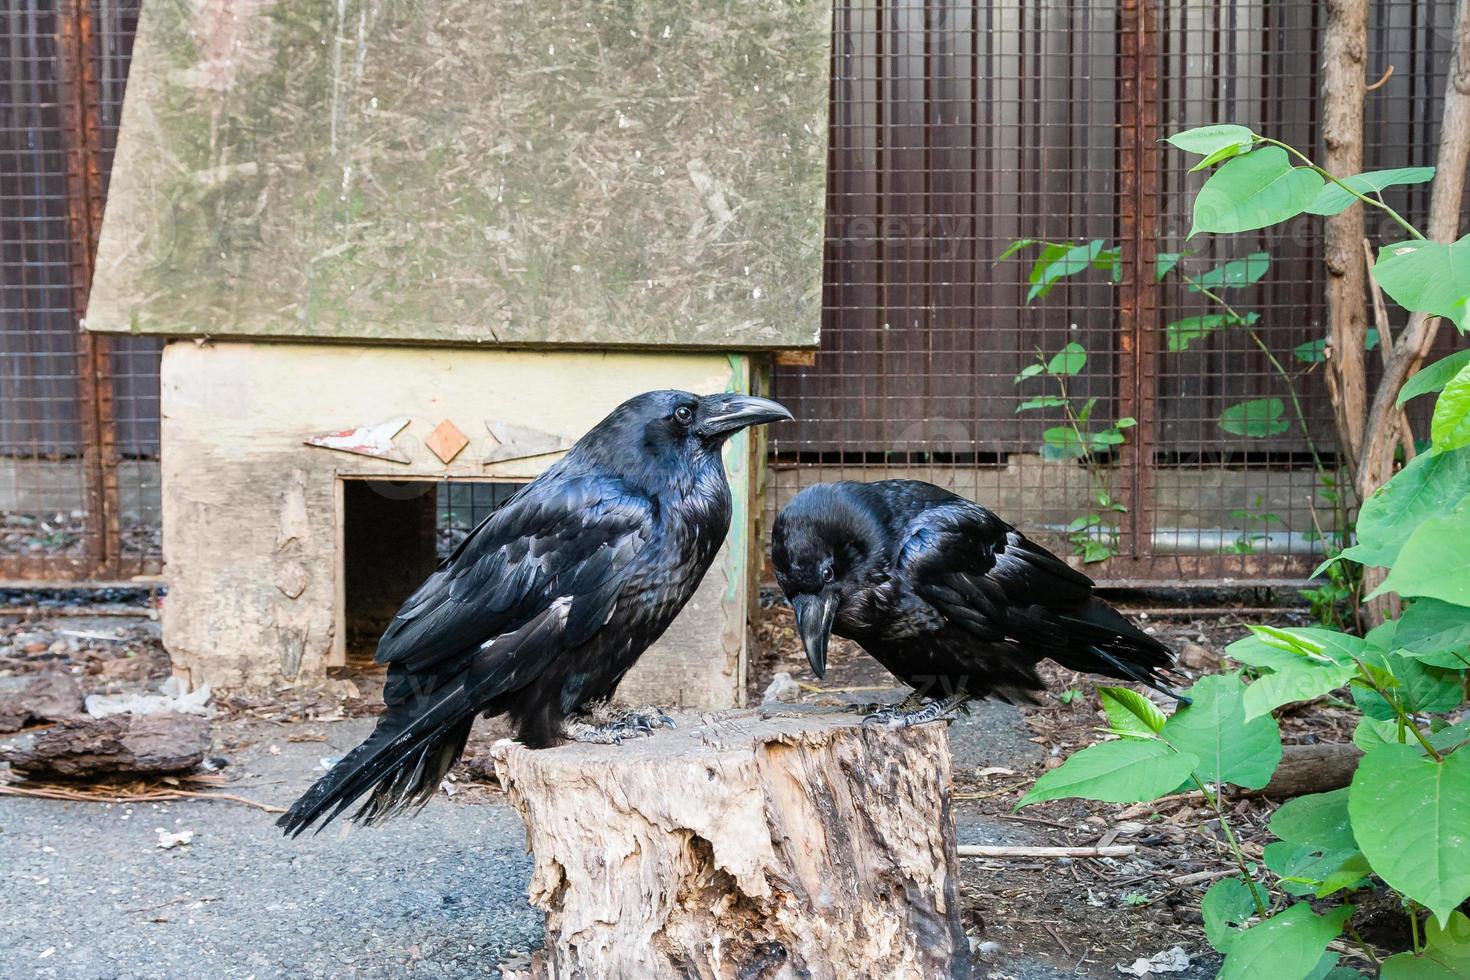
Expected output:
(1026, 919)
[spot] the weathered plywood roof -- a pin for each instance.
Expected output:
(527, 172)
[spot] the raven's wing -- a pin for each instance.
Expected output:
(986, 577)
(538, 577)
(542, 572)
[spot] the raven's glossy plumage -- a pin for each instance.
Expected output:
(947, 596)
(545, 606)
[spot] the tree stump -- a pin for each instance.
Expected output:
(739, 845)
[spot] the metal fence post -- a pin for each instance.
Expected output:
(1138, 309)
(81, 123)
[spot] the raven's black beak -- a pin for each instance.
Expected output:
(726, 413)
(814, 615)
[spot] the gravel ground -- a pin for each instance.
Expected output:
(89, 894)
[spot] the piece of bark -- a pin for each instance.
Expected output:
(744, 846)
(1313, 769)
(48, 696)
(118, 746)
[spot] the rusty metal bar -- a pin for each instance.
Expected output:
(1138, 309)
(76, 47)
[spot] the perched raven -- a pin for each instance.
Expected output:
(540, 612)
(950, 598)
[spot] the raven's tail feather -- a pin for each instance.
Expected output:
(1103, 642)
(403, 762)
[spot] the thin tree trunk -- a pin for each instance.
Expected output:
(1344, 43)
(1375, 464)
(1381, 433)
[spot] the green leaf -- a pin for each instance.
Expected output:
(1429, 486)
(1408, 814)
(1253, 191)
(1061, 442)
(1427, 277)
(1451, 737)
(1423, 688)
(1301, 681)
(1053, 266)
(1126, 771)
(1313, 641)
(1110, 260)
(1014, 247)
(1257, 418)
(1446, 954)
(1219, 156)
(1351, 871)
(1432, 683)
(1435, 561)
(1287, 946)
(1069, 360)
(1205, 140)
(1226, 907)
(1371, 704)
(1433, 377)
(1126, 422)
(1083, 522)
(1093, 550)
(1450, 427)
(1311, 352)
(1050, 253)
(1045, 401)
(1305, 870)
(1129, 711)
(1235, 274)
(1029, 371)
(1180, 333)
(1164, 263)
(1319, 821)
(1300, 664)
(1315, 351)
(1215, 730)
(1333, 198)
(1434, 632)
(1373, 732)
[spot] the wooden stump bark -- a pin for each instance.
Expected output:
(744, 846)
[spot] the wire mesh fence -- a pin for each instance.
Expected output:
(959, 128)
(78, 416)
(956, 129)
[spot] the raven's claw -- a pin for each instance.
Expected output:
(610, 726)
(872, 709)
(902, 716)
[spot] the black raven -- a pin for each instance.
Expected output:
(545, 606)
(950, 598)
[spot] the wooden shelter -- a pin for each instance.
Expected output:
(396, 244)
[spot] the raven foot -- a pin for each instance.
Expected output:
(898, 716)
(606, 725)
(910, 703)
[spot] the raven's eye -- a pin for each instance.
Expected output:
(684, 414)
(826, 572)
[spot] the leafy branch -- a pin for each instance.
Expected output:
(1398, 826)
